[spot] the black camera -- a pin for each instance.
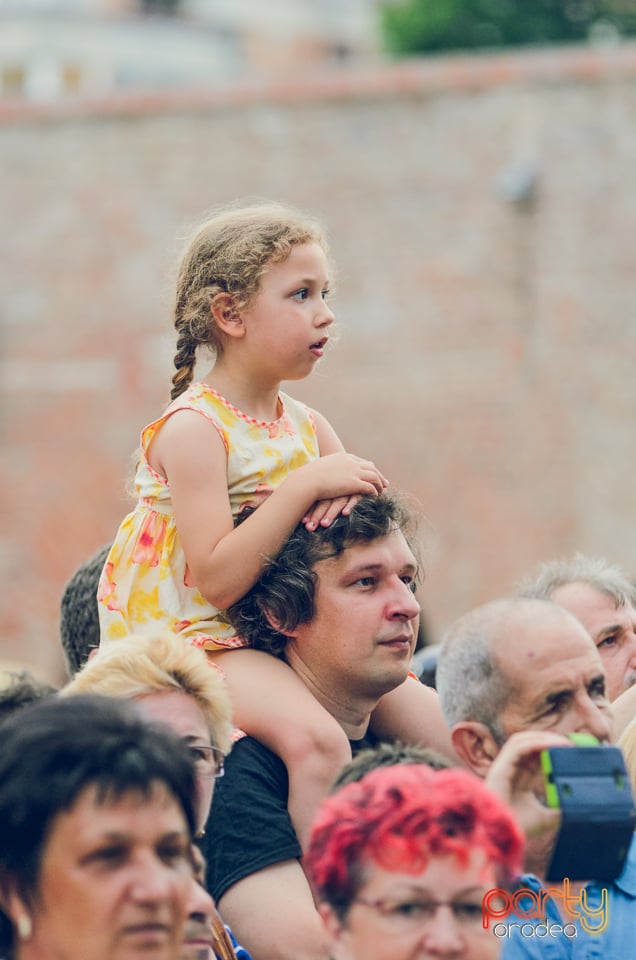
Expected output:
(590, 783)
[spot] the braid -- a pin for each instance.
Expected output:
(195, 325)
(184, 362)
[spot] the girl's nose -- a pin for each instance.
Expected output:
(326, 316)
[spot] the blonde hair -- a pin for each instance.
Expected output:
(627, 743)
(229, 254)
(135, 666)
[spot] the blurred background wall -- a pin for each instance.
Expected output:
(481, 211)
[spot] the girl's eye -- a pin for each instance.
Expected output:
(410, 583)
(301, 294)
(326, 294)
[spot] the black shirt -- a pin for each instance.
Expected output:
(249, 827)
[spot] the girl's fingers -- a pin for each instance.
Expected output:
(315, 516)
(335, 507)
(349, 505)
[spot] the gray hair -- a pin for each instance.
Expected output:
(605, 577)
(470, 683)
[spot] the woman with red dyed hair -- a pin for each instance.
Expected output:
(401, 860)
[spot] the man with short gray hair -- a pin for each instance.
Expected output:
(603, 598)
(518, 664)
(517, 669)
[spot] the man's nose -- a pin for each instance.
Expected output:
(404, 603)
(595, 717)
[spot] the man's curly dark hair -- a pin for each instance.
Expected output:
(284, 595)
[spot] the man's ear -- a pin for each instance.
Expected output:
(475, 745)
(227, 315)
(274, 622)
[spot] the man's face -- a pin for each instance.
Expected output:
(612, 628)
(557, 678)
(363, 632)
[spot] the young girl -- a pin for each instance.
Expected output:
(253, 287)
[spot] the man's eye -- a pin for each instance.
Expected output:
(607, 642)
(555, 706)
(365, 582)
(597, 690)
(411, 583)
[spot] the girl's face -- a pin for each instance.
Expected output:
(114, 881)
(432, 915)
(286, 323)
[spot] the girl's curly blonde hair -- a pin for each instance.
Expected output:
(229, 254)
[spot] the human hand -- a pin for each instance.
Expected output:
(325, 512)
(339, 480)
(515, 775)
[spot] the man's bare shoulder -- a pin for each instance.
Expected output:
(272, 914)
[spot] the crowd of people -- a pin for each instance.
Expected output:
(243, 762)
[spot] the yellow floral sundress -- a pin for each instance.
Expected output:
(145, 584)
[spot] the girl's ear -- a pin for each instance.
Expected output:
(227, 316)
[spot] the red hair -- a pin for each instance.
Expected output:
(400, 816)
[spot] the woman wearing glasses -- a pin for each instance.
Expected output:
(400, 862)
(172, 682)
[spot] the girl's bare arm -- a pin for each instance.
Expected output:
(225, 561)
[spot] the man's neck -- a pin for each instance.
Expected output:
(351, 712)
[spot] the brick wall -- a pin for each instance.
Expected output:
(487, 344)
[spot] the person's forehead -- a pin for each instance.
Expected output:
(391, 553)
(177, 710)
(115, 806)
(591, 606)
(137, 815)
(461, 870)
(552, 643)
(304, 258)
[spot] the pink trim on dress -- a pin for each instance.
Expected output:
(239, 413)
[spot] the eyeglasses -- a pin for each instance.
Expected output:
(208, 760)
(412, 914)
